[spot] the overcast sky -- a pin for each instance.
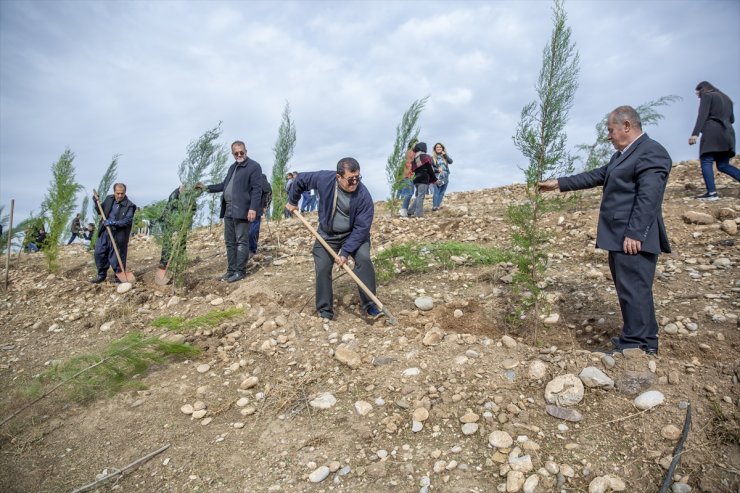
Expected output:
(143, 79)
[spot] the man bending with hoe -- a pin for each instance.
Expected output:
(119, 213)
(346, 213)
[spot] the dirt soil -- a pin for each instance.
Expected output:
(399, 399)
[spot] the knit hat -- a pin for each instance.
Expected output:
(420, 147)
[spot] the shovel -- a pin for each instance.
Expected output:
(122, 276)
(391, 319)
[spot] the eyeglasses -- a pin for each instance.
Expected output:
(239, 153)
(354, 180)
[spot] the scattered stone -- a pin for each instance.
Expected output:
(593, 377)
(249, 382)
(530, 485)
(508, 341)
(604, 484)
(319, 474)
(565, 390)
(500, 439)
(217, 301)
(424, 303)
(729, 226)
(107, 326)
(680, 488)
(457, 313)
(416, 426)
(693, 217)
(203, 368)
(514, 481)
(242, 402)
(552, 319)
(411, 372)
(671, 329)
(433, 336)
(537, 370)
(670, 432)
(325, 400)
(564, 413)
(363, 408)
(421, 414)
(470, 428)
(648, 400)
(631, 382)
(199, 414)
(124, 287)
(347, 356)
(187, 409)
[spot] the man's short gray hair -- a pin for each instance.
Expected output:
(626, 114)
(347, 164)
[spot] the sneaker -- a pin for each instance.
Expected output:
(100, 278)
(403, 213)
(708, 196)
(237, 276)
(373, 311)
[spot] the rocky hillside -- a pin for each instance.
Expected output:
(451, 399)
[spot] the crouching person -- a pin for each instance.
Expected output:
(346, 213)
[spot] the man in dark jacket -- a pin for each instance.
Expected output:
(424, 177)
(346, 213)
(240, 205)
(76, 229)
(119, 213)
(630, 225)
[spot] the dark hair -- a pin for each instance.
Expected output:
(434, 149)
(116, 185)
(625, 113)
(347, 164)
(704, 87)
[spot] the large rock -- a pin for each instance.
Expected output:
(565, 390)
(433, 336)
(537, 370)
(650, 399)
(325, 400)
(729, 226)
(424, 303)
(500, 439)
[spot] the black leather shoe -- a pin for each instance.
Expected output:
(98, 279)
(651, 351)
(237, 276)
(226, 276)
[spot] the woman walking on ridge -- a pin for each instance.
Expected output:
(714, 122)
(442, 171)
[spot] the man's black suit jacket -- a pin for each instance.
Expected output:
(631, 204)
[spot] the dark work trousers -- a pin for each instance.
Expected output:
(105, 256)
(324, 262)
(254, 234)
(236, 237)
(633, 278)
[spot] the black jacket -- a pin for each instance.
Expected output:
(714, 122)
(247, 192)
(121, 222)
(631, 203)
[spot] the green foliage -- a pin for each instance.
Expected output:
(407, 132)
(423, 257)
(283, 150)
(541, 137)
(217, 175)
(106, 182)
(178, 213)
(210, 319)
(598, 154)
(92, 375)
(152, 213)
(60, 202)
(83, 211)
(25, 229)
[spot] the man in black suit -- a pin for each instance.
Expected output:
(631, 225)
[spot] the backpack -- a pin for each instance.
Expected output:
(266, 193)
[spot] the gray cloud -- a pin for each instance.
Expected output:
(145, 78)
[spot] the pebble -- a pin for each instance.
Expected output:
(593, 377)
(249, 382)
(205, 421)
(530, 485)
(469, 417)
(670, 432)
(421, 414)
(319, 474)
(470, 428)
(107, 326)
(238, 425)
(671, 329)
(124, 287)
(324, 400)
(552, 319)
(199, 414)
(187, 409)
(217, 301)
(537, 370)
(363, 408)
(416, 426)
(508, 341)
(347, 356)
(680, 488)
(411, 372)
(242, 402)
(203, 368)
(424, 303)
(500, 439)
(649, 399)
(457, 313)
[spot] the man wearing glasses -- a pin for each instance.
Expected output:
(240, 205)
(346, 213)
